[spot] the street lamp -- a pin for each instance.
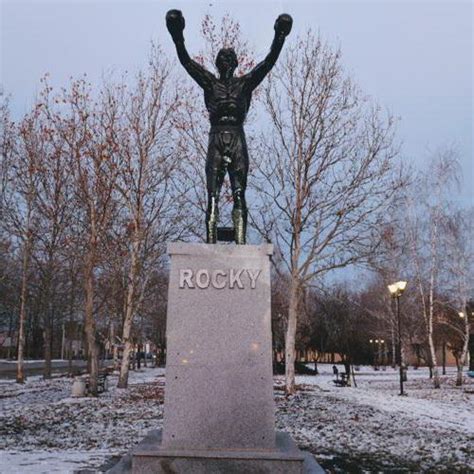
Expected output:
(396, 290)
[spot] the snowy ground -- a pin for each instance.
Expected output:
(365, 429)
(371, 428)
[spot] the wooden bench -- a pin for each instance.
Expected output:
(102, 382)
(343, 381)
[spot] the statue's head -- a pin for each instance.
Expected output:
(226, 61)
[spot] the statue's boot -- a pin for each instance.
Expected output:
(212, 216)
(239, 217)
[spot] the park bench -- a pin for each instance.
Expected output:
(342, 381)
(102, 383)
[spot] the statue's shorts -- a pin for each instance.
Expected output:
(227, 152)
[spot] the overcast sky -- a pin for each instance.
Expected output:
(414, 57)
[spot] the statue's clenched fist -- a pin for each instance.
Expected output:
(283, 24)
(175, 24)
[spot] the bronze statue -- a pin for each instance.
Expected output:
(227, 99)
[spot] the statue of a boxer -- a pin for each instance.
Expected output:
(227, 99)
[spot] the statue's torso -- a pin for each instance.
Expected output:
(228, 101)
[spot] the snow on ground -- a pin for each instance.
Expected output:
(365, 429)
(30, 361)
(43, 461)
(43, 429)
(373, 428)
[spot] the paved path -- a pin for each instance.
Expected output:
(35, 367)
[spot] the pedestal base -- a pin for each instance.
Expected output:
(149, 457)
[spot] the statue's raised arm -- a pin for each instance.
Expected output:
(175, 24)
(282, 29)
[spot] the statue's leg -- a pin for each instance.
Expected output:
(238, 170)
(215, 172)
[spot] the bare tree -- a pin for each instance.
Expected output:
(8, 267)
(147, 159)
(392, 263)
(459, 260)
(326, 173)
(426, 212)
(19, 207)
(86, 128)
(54, 209)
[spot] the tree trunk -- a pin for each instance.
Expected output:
(115, 355)
(92, 349)
(444, 357)
(10, 336)
(133, 357)
(434, 253)
(465, 348)
(70, 319)
(139, 356)
(459, 366)
(434, 363)
(129, 314)
(471, 355)
(20, 374)
(63, 342)
(353, 376)
(125, 366)
(69, 357)
(47, 351)
(290, 340)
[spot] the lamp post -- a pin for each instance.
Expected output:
(371, 341)
(377, 361)
(396, 290)
(380, 352)
(377, 352)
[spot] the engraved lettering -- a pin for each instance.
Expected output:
(219, 279)
(200, 282)
(235, 278)
(185, 277)
(215, 283)
(253, 274)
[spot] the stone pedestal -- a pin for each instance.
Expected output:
(219, 384)
(219, 413)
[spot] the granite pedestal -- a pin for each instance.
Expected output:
(219, 384)
(219, 412)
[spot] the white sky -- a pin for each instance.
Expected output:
(414, 57)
